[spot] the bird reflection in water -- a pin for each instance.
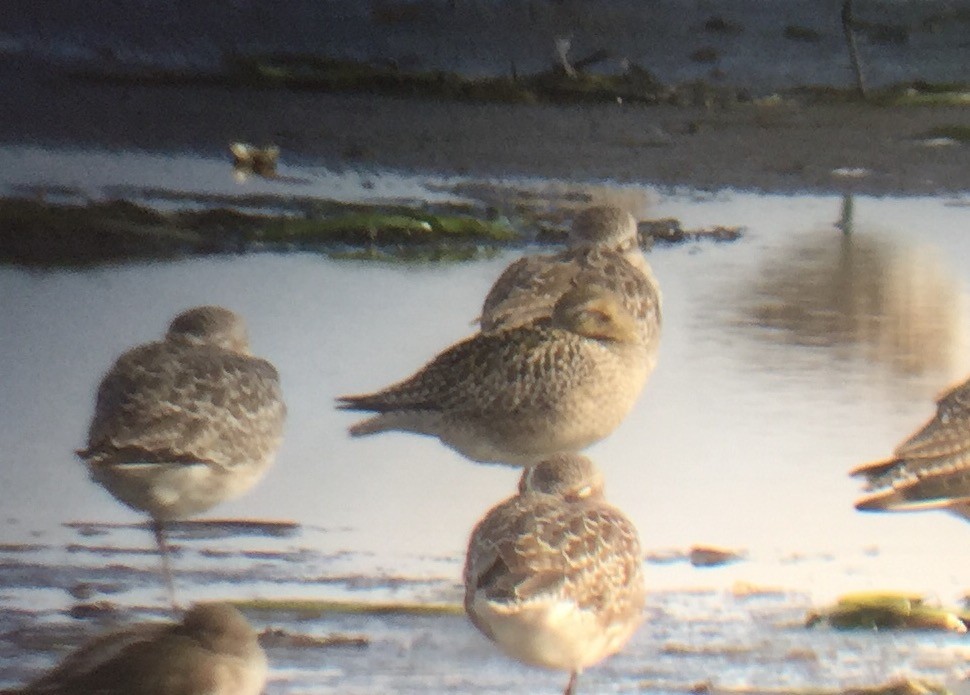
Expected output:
(865, 296)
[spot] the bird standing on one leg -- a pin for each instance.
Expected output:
(185, 423)
(553, 574)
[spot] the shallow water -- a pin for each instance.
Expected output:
(787, 358)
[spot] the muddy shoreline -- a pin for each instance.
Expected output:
(783, 146)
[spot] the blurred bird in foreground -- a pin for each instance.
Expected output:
(212, 651)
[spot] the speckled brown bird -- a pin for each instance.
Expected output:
(212, 651)
(931, 469)
(603, 250)
(517, 396)
(187, 422)
(553, 574)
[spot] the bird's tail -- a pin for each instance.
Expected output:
(371, 425)
(902, 500)
(874, 469)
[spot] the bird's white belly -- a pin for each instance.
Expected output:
(169, 491)
(554, 634)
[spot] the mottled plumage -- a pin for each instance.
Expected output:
(212, 651)
(603, 250)
(553, 574)
(931, 469)
(185, 423)
(519, 395)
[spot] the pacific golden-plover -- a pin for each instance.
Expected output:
(519, 395)
(603, 250)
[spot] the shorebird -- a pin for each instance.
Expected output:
(184, 423)
(553, 574)
(248, 158)
(931, 469)
(212, 651)
(519, 395)
(604, 250)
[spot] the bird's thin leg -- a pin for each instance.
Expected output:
(571, 686)
(159, 530)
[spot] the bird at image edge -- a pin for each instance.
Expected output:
(931, 469)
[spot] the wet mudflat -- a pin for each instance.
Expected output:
(812, 344)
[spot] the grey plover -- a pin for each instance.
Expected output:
(553, 574)
(212, 651)
(604, 250)
(931, 469)
(187, 422)
(516, 396)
